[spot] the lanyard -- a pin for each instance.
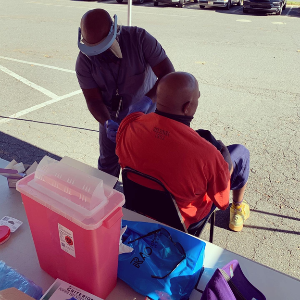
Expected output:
(116, 97)
(116, 79)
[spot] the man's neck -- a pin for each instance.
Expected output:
(179, 118)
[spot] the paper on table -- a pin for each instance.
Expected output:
(124, 248)
(32, 168)
(12, 223)
(11, 164)
(61, 290)
(16, 170)
(19, 167)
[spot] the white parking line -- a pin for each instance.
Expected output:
(38, 106)
(244, 20)
(289, 11)
(29, 83)
(46, 92)
(36, 64)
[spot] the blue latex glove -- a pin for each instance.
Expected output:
(111, 128)
(143, 105)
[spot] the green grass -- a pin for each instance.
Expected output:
(292, 3)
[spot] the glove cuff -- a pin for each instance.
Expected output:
(141, 106)
(146, 100)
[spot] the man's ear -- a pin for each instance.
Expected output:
(185, 108)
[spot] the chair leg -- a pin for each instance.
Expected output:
(212, 227)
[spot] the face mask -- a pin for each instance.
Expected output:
(111, 54)
(115, 49)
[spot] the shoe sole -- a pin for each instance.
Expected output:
(238, 228)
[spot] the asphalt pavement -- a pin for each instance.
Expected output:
(247, 66)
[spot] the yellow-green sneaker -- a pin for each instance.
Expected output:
(238, 215)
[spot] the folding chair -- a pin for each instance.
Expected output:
(158, 204)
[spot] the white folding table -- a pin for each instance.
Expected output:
(19, 253)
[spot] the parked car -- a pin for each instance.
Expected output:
(264, 5)
(219, 3)
(136, 1)
(179, 3)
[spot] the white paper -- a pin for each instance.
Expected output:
(122, 247)
(11, 164)
(12, 223)
(32, 168)
(61, 290)
(19, 167)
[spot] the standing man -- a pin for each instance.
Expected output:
(116, 68)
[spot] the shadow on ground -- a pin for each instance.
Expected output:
(222, 221)
(21, 151)
(48, 123)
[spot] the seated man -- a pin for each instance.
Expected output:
(196, 169)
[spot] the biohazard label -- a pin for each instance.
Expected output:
(66, 240)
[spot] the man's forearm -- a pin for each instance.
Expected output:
(152, 93)
(163, 68)
(99, 111)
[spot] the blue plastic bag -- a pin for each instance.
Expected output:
(11, 278)
(158, 267)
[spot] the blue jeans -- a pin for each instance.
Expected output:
(108, 160)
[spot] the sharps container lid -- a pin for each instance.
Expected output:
(81, 198)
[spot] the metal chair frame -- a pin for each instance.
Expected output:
(163, 207)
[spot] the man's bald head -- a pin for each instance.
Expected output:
(95, 25)
(178, 93)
